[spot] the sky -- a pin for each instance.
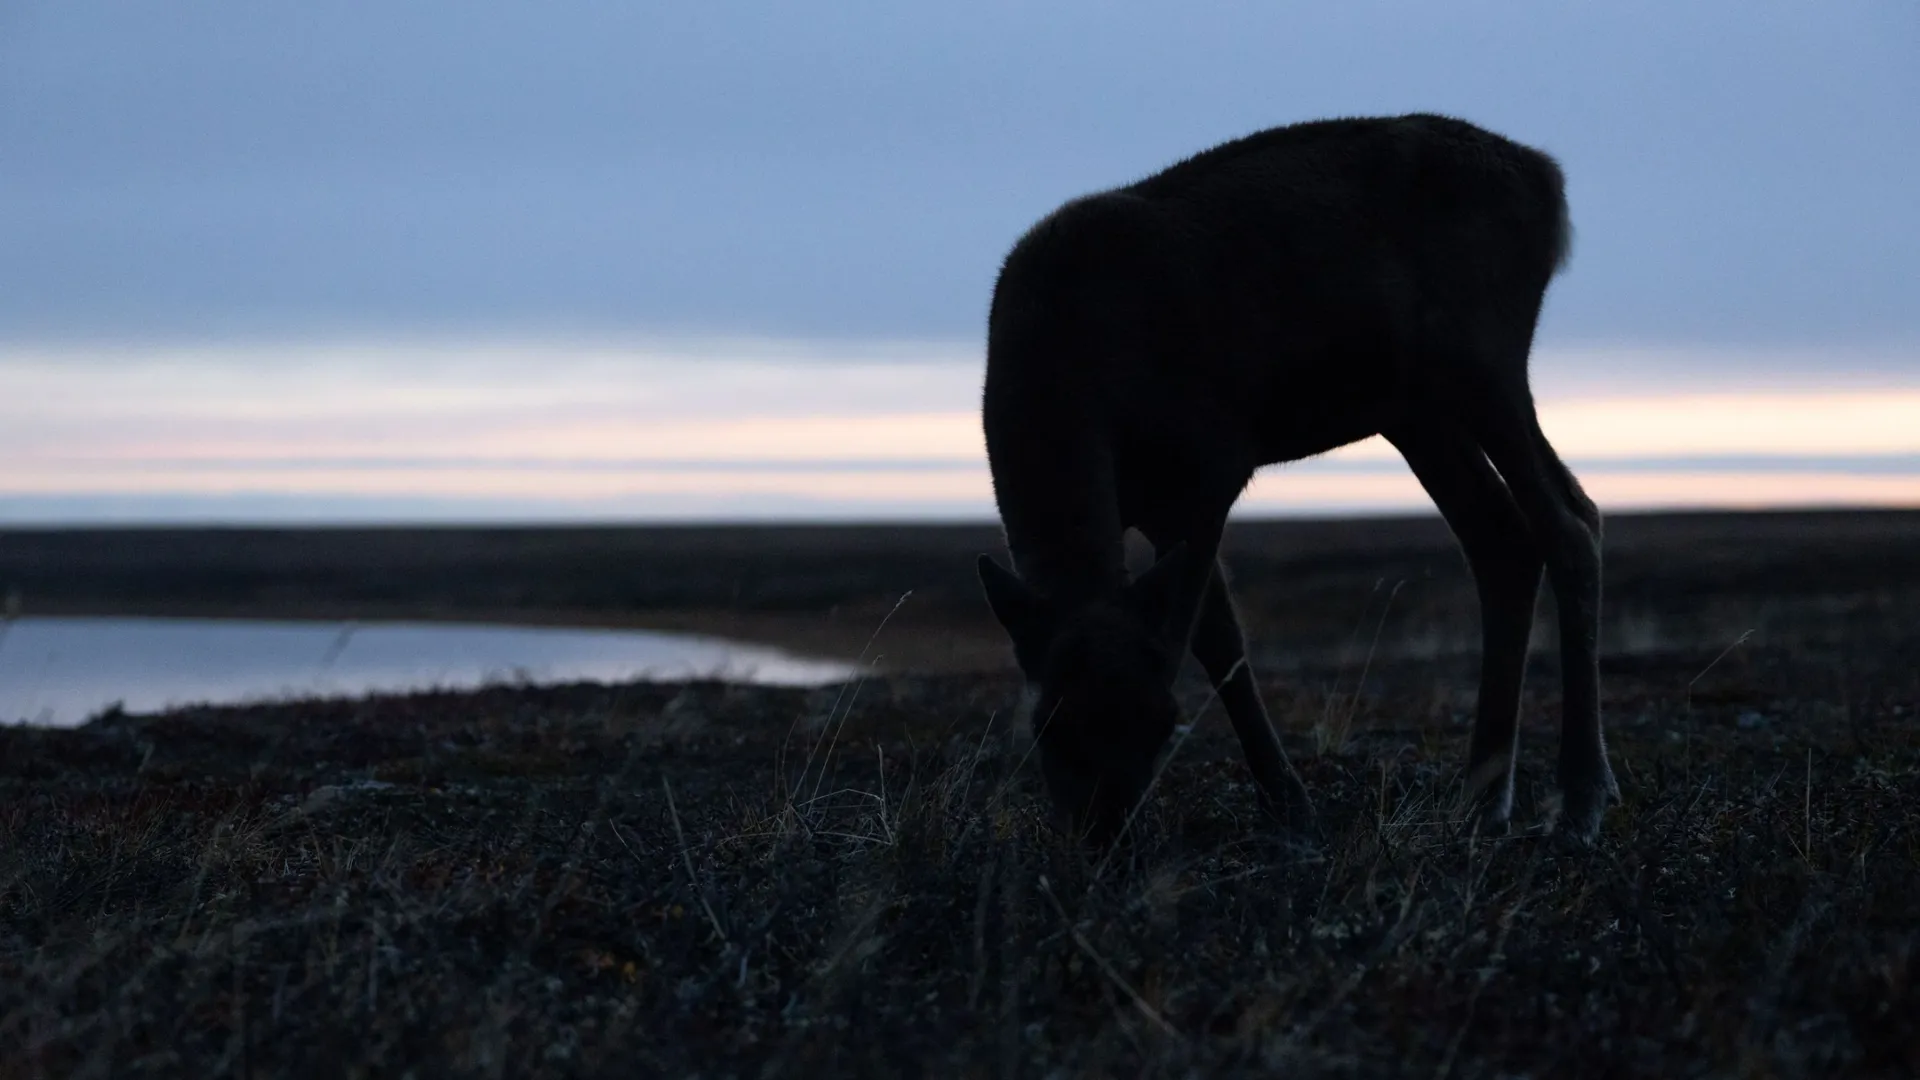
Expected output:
(489, 260)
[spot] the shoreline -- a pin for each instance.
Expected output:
(905, 643)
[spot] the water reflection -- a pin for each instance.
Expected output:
(60, 671)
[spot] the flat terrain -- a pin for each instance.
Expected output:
(1303, 584)
(669, 880)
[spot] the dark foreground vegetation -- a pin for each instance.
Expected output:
(733, 881)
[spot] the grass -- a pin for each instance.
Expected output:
(713, 880)
(729, 881)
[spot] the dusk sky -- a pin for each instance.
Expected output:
(429, 260)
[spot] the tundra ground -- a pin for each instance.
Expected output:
(722, 880)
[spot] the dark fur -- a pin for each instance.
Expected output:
(1267, 300)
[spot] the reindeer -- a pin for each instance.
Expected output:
(1266, 300)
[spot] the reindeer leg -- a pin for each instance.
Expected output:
(1506, 566)
(1221, 649)
(1566, 525)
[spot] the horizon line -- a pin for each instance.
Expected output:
(1891, 463)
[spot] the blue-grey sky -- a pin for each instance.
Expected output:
(1741, 171)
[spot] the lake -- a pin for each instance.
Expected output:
(59, 671)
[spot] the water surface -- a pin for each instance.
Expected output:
(61, 670)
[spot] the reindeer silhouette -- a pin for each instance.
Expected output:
(1269, 299)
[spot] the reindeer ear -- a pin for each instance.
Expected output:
(1021, 611)
(1155, 594)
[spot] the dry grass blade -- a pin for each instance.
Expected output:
(830, 731)
(1086, 948)
(686, 856)
(1330, 734)
(1495, 958)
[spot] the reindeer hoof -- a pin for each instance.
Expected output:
(1491, 811)
(1584, 804)
(1292, 810)
(1490, 821)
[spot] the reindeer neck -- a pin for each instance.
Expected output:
(1055, 487)
(1070, 571)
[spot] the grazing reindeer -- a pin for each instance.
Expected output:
(1267, 300)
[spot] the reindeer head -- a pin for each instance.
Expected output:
(1104, 671)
